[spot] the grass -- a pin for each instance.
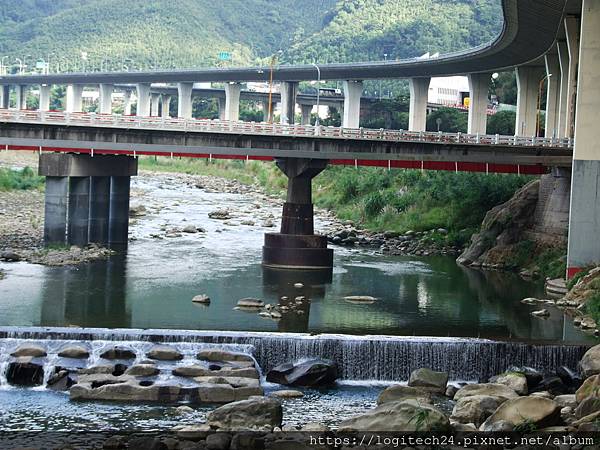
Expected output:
(21, 179)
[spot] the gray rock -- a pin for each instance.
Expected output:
(222, 355)
(287, 393)
(164, 353)
(429, 380)
(74, 351)
(202, 298)
(514, 380)
(142, 370)
(250, 303)
(226, 371)
(490, 389)
(590, 363)
(256, 413)
(474, 409)
(32, 350)
(537, 411)
(118, 353)
(399, 392)
(24, 372)
(218, 441)
(588, 405)
(192, 432)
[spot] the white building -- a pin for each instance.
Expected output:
(449, 91)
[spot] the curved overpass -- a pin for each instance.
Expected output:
(530, 29)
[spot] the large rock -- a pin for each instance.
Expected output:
(60, 381)
(399, 392)
(404, 416)
(589, 388)
(142, 370)
(256, 413)
(309, 373)
(241, 388)
(525, 411)
(553, 385)
(23, 372)
(475, 409)
(195, 370)
(32, 350)
(489, 389)
(533, 376)
(129, 391)
(429, 380)
(74, 351)
(515, 380)
(118, 353)
(222, 355)
(164, 353)
(590, 363)
(588, 405)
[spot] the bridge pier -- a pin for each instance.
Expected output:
(74, 101)
(528, 80)
(95, 193)
(553, 82)
(232, 101)
(417, 111)
(105, 99)
(154, 104)
(289, 90)
(4, 96)
(478, 97)
(127, 102)
(584, 217)
(352, 93)
(296, 246)
(20, 96)
(165, 106)
(306, 112)
(572, 31)
(44, 100)
(143, 99)
(184, 100)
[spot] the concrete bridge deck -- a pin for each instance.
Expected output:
(137, 135)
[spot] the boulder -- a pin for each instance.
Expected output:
(184, 410)
(164, 353)
(241, 388)
(220, 214)
(308, 373)
(569, 377)
(588, 405)
(514, 380)
(499, 391)
(104, 369)
(32, 350)
(202, 298)
(23, 372)
(315, 427)
(118, 353)
(400, 392)
(475, 409)
(552, 385)
(192, 432)
(404, 416)
(142, 370)
(429, 380)
(567, 400)
(250, 303)
(227, 371)
(590, 363)
(256, 413)
(128, 391)
(223, 355)
(218, 441)
(74, 351)
(287, 393)
(589, 388)
(525, 411)
(60, 381)
(532, 375)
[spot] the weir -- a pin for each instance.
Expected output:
(382, 358)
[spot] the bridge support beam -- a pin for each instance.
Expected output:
(184, 100)
(584, 217)
(165, 106)
(563, 60)
(143, 99)
(44, 100)
(553, 81)
(105, 99)
(296, 246)
(267, 112)
(478, 102)
(417, 111)
(20, 96)
(4, 96)
(94, 191)
(352, 94)
(573, 42)
(289, 90)
(528, 82)
(232, 101)
(306, 112)
(127, 102)
(154, 104)
(99, 209)
(74, 101)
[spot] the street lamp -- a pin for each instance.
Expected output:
(20, 62)
(2, 65)
(318, 92)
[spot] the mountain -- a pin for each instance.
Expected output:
(115, 34)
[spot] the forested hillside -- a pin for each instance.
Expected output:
(189, 33)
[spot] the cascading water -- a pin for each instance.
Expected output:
(357, 358)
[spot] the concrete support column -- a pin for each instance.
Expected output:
(143, 99)
(232, 101)
(99, 209)
(417, 112)
(572, 33)
(105, 99)
(55, 210)
(528, 85)
(584, 218)
(478, 102)
(165, 106)
(4, 96)
(74, 102)
(296, 246)
(127, 103)
(266, 110)
(44, 103)
(79, 211)
(118, 224)
(289, 90)
(20, 96)
(184, 100)
(154, 104)
(306, 112)
(552, 95)
(563, 60)
(352, 95)
(221, 105)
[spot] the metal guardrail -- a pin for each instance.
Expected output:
(272, 129)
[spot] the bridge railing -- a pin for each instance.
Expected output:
(275, 129)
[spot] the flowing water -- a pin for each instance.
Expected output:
(429, 312)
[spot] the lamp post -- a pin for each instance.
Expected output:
(318, 92)
(20, 62)
(3, 66)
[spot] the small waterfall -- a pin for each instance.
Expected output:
(380, 358)
(3, 369)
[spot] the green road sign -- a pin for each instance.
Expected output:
(225, 56)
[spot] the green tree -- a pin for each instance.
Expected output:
(503, 122)
(452, 120)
